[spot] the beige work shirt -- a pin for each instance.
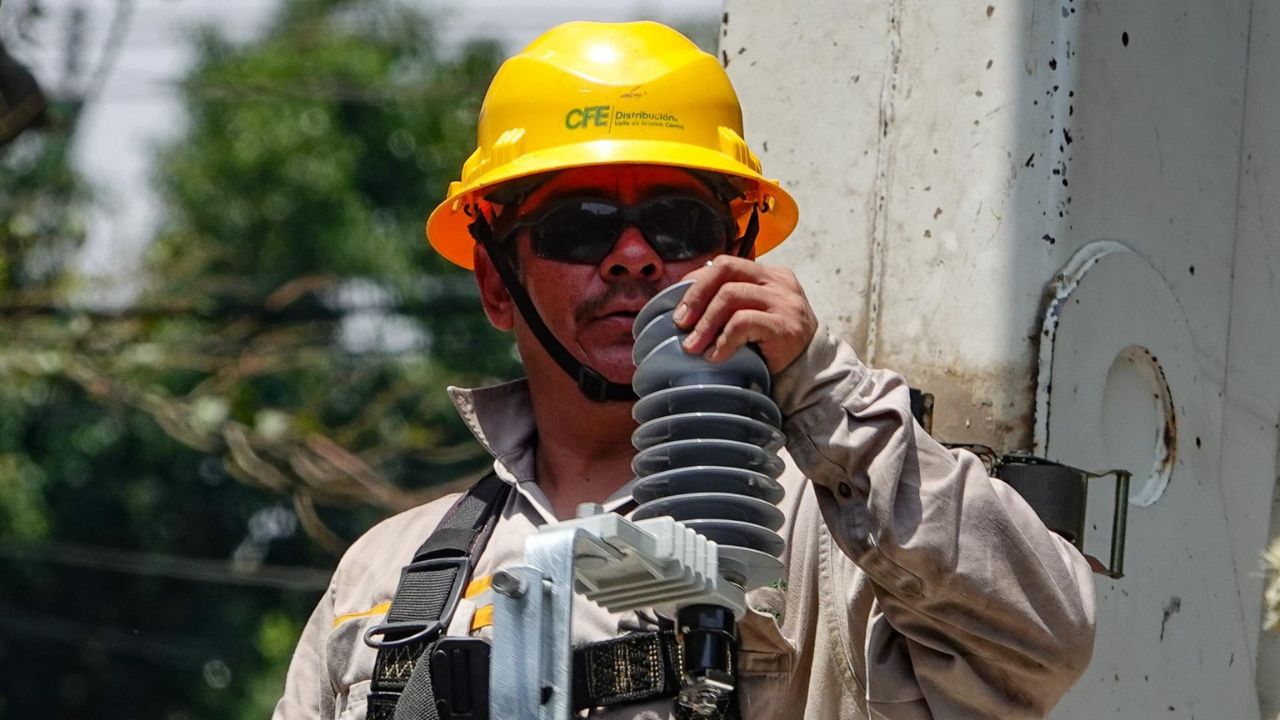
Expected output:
(916, 586)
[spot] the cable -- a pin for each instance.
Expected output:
(219, 572)
(443, 299)
(117, 31)
(190, 652)
(292, 317)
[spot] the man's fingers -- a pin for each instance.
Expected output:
(707, 282)
(734, 301)
(731, 297)
(745, 326)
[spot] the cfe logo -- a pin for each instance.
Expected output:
(591, 116)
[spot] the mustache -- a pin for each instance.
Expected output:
(622, 291)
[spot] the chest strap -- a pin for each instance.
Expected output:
(424, 603)
(638, 667)
(631, 668)
(634, 668)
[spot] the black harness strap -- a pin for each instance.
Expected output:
(424, 603)
(747, 242)
(632, 668)
(638, 667)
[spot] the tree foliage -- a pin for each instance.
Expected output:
(168, 470)
(41, 208)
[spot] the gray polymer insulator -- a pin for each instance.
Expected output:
(708, 443)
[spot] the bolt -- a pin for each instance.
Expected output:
(512, 586)
(701, 701)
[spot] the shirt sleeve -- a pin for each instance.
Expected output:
(308, 694)
(980, 611)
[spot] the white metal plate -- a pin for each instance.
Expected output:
(1116, 356)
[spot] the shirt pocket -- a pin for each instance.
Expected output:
(765, 656)
(354, 703)
(762, 648)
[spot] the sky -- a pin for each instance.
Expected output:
(135, 107)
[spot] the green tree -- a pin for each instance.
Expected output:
(40, 227)
(168, 472)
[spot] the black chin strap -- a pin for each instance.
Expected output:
(590, 382)
(747, 242)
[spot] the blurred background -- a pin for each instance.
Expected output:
(223, 340)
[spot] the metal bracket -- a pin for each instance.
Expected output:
(530, 665)
(1059, 495)
(613, 561)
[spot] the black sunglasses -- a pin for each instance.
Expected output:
(585, 229)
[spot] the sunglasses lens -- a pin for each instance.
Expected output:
(579, 232)
(681, 228)
(585, 231)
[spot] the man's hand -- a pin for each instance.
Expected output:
(735, 301)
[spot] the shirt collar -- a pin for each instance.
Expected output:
(501, 418)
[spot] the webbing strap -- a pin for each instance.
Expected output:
(747, 242)
(424, 602)
(418, 700)
(638, 667)
(632, 668)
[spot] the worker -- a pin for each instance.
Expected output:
(611, 164)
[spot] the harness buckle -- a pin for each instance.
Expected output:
(397, 633)
(460, 677)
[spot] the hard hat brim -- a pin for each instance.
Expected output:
(447, 226)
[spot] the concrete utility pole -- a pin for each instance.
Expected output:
(1060, 219)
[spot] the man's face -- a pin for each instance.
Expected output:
(591, 307)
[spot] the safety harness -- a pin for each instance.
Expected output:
(421, 675)
(408, 641)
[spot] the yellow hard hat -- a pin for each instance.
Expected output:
(587, 93)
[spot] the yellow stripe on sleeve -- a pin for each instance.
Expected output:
(483, 617)
(477, 586)
(379, 609)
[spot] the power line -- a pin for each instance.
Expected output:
(112, 47)
(190, 652)
(444, 297)
(219, 572)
